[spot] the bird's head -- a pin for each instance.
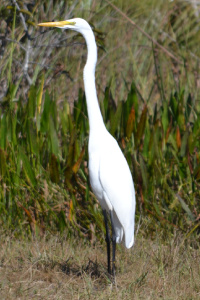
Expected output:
(76, 24)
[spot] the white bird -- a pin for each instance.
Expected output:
(109, 173)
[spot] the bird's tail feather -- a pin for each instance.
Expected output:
(118, 228)
(129, 238)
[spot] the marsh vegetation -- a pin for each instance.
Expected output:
(148, 86)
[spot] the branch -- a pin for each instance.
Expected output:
(22, 17)
(28, 46)
(26, 62)
(145, 33)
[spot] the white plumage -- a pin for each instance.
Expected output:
(112, 183)
(110, 176)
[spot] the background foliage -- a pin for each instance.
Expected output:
(149, 98)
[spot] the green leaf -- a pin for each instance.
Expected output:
(173, 107)
(188, 107)
(130, 123)
(143, 171)
(147, 135)
(39, 102)
(115, 120)
(108, 107)
(54, 138)
(76, 166)
(141, 125)
(13, 129)
(32, 137)
(28, 170)
(71, 149)
(3, 132)
(54, 169)
(164, 117)
(186, 208)
(184, 144)
(62, 221)
(2, 163)
(157, 209)
(32, 102)
(132, 100)
(78, 106)
(46, 113)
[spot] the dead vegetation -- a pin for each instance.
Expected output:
(57, 268)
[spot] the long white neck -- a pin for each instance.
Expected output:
(94, 113)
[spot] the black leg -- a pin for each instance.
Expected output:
(113, 244)
(107, 240)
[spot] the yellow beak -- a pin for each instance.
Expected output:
(56, 24)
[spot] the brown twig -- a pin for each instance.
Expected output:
(145, 33)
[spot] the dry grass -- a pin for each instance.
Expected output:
(56, 268)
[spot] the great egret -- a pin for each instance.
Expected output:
(110, 177)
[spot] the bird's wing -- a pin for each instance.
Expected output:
(117, 185)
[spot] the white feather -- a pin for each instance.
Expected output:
(110, 176)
